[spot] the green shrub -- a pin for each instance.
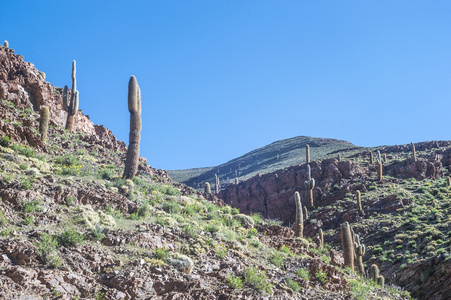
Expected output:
(97, 232)
(27, 184)
(70, 237)
(212, 228)
(277, 259)
(68, 159)
(257, 280)
(321, 276)
(171, 207)
(257, 218)
(294, 285)
(3, 219)
(235, 282)
(46, 248)
(161, 253)
(4, 141)
(30, 206)
(144, 209)
(303, 273)
(24, 150)
(23, 166)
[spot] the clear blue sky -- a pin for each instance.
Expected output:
(221, 78)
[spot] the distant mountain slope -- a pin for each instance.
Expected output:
(278, 155)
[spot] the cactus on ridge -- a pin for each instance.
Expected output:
(216, 184)
(299, 222)
(379, 166)
(339, 157)
(371, 158)
(309, 184)
(207, 188)
(414, 152)
(134, 107)
(307, 153)
(6, 44)
(44, 122)
(236, 180)
(72, 107)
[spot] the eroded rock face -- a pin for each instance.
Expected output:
(272, 194)
(25, 86)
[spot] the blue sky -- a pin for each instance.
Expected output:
(221, 78)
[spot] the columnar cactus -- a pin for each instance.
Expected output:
(310, 184)
(44, 122)
(299, 222)
(371, 158)
(307, 154)
(374, 272)
(359, 252)
(6, 44)
(347, 245)
(305, 213)
(381, 280)
(216, 184)
(339, 157)
(236, 180)
(72, 107)
(385, 157)
(134, 107)
(207, 188)
(379, 166)
(321, 239)
(448, 181)
(359, 201)
(414, 152)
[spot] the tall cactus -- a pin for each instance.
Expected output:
(134, 107)
(414, 152)
(359, 201)
(321, 239)
(299, 222)
(6, 44)
(305, 213)
(236, 180)
(359, 252)
(379, 166)
(207, 188)
(385, 157)
(347, 245)
(374, 273)
(339, 157)
(72, 107)
(371, 158)
(307, 153)
(216, 184)
(44, 122)
(310, 184)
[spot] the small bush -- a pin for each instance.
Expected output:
(321, 276)
(70, 237)
(257, 218)
(4, 141)
(24, 150)
(212, 228)
(303, 273)
(27, 184)
(171, 207)
(23, 166)
(3, 219)
(30, 206)
(277, 259)
(235, 282)
(46, 248)
(161, 253)
(294, 285)
(257, 280)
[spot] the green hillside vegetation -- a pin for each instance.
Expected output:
(267, 159)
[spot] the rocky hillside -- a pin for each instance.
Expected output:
(267, 159)
(405, 221)
(71, 227)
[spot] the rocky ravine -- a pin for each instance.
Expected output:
(272, 196)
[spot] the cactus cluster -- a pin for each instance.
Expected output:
(72, 107)
(134, 107)
(207, 188)
(299, 222)
(44, 122)
(307, 154)
(309, 184)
